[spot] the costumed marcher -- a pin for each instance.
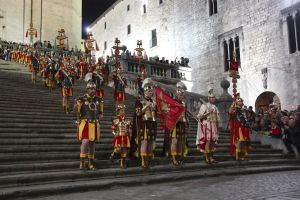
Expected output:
(239, 130)
(35, 67)
(207, 132)
(89, 110)
(66, 76)
(145, 125)
(81, 68)
(121, 131)
(98, 79)
(120, 84)
(179, 147)
(50, 73)
(43, 69)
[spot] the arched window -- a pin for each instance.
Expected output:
(230, 46)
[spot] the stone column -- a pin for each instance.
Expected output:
(223, 104)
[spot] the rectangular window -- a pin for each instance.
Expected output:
(128, 7)
(144, 7)
(105, 45)
(215, 6)
(226, 60)
(160, 1)
(291, 33)
(128, 29)
(212, 7)
(154, 38)
(297, 22)
(104, 25)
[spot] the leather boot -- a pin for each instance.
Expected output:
(122, 163)
(174, 160)
(212, 160)
(82, 156)
(207, 158)
(91, 162)
(237, 155)
(143, 164)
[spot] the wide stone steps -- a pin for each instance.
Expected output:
(77, 181)
(72, 175)
(104, 148)
(39, 153)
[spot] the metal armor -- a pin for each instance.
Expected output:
(91, 108)
(121, 127)
(148, 110)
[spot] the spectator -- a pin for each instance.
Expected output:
(49, 45)
(275, 130)
(256, 124)
(287, 134)
(294, 125)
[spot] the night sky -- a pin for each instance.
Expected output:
(91, 9)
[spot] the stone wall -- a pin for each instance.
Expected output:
(184, 28)
(48, 16)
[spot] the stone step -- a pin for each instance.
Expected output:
(102, 148)
(12, 135)
(59, 165)
(77, 181)
(67, 141)
(104, 154)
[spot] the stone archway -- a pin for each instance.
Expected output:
(264, 100)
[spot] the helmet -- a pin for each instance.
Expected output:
(90, 84)
(180, 89)
(147, 84)
(120, 106)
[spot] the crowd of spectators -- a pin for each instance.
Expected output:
(277, 123)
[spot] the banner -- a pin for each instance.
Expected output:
(169, 110)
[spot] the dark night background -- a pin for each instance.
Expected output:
(91, 9)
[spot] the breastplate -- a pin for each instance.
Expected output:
(212, 116)
(149, 112)
(90, 110)
(123, 127)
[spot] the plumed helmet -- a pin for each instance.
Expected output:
(180, 89)
(90, 84)
(239, 99)
(211, 93)
(147, 84)
(120, 106)
(181, 85)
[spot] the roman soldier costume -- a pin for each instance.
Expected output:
(35, 67)
(81, 68)
(66, 75)
(239, 130)
(121, 131)
(120, 84)
(145, 125)
(89, 112)
(178, 133)
(207, 132)
(98, 79)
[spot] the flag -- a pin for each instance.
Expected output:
(169, 110)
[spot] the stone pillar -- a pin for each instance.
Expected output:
(223, 104)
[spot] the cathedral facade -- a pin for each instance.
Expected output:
(263, 35)
(46, 16)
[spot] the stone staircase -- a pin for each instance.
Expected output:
(39, 153)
